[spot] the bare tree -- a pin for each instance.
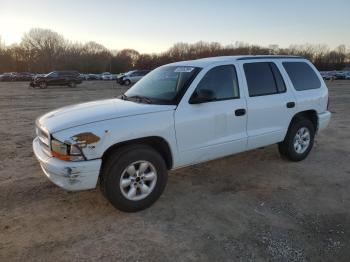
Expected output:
(42, 50)
(44, 46)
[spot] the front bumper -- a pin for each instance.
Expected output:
(71, 176)
(323, 120)
(34, 83)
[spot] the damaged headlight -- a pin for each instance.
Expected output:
(66, 152)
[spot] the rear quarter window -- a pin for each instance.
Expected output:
(301, 74)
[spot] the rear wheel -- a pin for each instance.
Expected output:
(134, 178)
(299, 140)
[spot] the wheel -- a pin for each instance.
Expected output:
(43, 85)
(134, 178)
(127, 82)
(72, 84)
(299, 140)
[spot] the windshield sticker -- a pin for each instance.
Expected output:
(184, 69)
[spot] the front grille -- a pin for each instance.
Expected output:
(44, 139)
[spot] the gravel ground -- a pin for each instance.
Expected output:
(252, 206)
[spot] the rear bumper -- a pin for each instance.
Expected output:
(71, 176)
(323, 120)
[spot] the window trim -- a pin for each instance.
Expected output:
(221, 99)
(178, 98)
(273, 75)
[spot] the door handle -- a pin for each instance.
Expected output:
(240, 112)
(290, 104)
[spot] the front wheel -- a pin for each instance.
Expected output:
(134, 178)
(43, 85)
(298, 141)
(127, 82)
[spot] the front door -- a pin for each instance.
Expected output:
(216, 127)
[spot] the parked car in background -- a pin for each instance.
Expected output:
(7, 77)
(68, 78)
(84, 76)
(182, 114)
(327, 75)
(120, 76)
(132, 77)
(107, 76)
(347, 76)
(94, 77)
(24, 76)
(340, 75)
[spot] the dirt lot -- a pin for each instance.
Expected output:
(248, 207)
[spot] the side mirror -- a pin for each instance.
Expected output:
(202, 96)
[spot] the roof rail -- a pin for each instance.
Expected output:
(269, 57)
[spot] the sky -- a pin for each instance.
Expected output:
(152, 26)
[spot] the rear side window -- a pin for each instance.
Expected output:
(222, 80)
(302, 75)
(263, 78)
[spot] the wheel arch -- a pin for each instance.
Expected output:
(157, 143)
(310, 114)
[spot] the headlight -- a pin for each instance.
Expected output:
(66, 152)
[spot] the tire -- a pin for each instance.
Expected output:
(72, 84)
(127, 82)
(118, 168)
(43, 85)
(298, 141)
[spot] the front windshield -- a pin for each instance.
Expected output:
(51, 74)
(163, 84)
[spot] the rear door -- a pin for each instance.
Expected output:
(61, 78)
(271, 104)
(214, 128)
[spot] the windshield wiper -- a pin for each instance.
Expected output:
(123, 97)
(141, 99)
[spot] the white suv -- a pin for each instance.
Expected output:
(181, 114)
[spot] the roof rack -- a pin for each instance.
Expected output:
(269, 57)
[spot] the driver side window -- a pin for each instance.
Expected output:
(221, 81)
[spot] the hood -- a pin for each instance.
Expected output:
(39, 77)
(81, 114)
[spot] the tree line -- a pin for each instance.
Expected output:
(43, 50)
